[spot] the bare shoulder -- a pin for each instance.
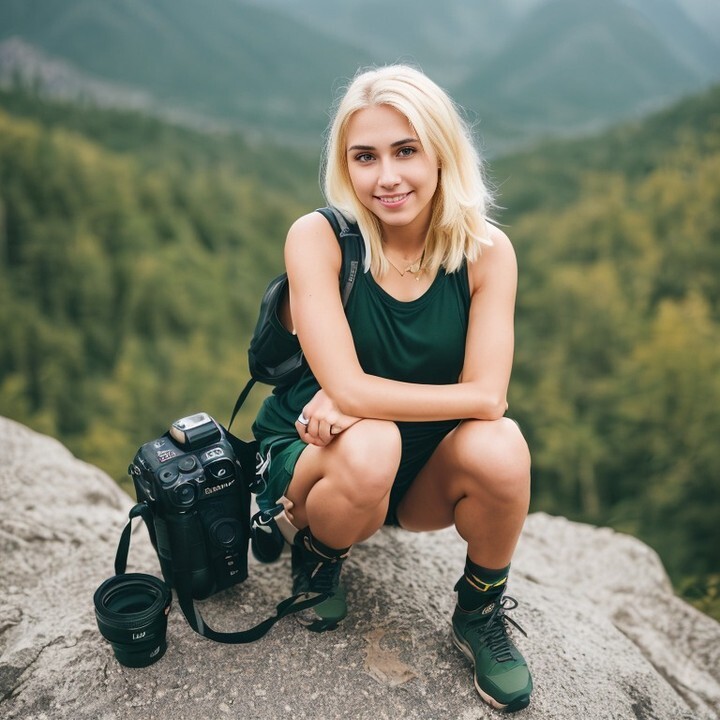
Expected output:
(310, 238)
(500, 240)
(312, 225)
(496, 261)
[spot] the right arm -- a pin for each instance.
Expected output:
(313, 260)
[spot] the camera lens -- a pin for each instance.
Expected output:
(131, 612)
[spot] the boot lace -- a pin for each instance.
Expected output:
(317, 573)
(493, 631)
(325, 576)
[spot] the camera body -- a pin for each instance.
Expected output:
(194, 484)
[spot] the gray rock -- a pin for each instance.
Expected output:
(607, 637)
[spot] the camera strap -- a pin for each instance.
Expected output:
(183, 591)
(140, 510)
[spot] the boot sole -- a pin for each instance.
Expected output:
(517, 704)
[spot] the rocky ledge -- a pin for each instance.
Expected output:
(608, 639)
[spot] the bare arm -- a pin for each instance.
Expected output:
(313, 260)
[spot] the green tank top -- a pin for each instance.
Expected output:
(421, 341)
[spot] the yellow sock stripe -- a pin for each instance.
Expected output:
(478, 584)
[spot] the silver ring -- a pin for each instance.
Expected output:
(302, 419)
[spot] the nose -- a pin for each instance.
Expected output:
(389, 176)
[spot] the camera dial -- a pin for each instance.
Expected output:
(187, 464)
(184, 495)
(168, 475)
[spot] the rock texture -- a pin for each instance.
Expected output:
(607, 637)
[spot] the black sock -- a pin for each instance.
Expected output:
(480, 586)
(325, 551)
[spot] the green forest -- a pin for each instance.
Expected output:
(133, 255)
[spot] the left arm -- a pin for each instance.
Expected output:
(490, 340)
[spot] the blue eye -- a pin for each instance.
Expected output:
(406, 151)
(364, 157)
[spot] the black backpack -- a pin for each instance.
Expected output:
(274, 356)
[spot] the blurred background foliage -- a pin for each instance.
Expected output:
(134, 251)
(617, 376)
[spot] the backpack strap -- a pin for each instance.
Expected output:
(183, 591)
(352, 247)
(241, 399)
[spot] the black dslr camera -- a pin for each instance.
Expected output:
(194, 484)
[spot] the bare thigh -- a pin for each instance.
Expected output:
(485, 460)
(342, 490)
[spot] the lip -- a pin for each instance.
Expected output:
(392, 201)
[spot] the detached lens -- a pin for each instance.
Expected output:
(131, 612)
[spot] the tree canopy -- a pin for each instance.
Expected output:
(133, 256)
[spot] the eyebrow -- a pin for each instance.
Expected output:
(397, 143)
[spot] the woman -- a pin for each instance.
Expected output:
(400, 417)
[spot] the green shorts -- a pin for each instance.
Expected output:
(280, 453)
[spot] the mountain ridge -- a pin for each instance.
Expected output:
(218, 60)
(581, 66)
(272, 68)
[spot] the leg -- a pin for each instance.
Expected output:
(341, 491)
(479, 479)
(340, 496)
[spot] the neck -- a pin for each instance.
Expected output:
(402, 243)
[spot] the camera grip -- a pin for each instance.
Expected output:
(188, 553)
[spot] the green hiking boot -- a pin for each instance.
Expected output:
(314, 572)
(501, 674)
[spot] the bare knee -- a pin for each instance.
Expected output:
(496, 460)
(367, 460)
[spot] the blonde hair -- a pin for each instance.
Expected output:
(458, 220)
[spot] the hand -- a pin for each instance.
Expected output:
(324, 420)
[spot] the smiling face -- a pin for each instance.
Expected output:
(392, 174)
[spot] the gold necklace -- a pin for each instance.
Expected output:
(415, 267)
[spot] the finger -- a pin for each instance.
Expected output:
(324, 432)
(311, 439)
(313, 427)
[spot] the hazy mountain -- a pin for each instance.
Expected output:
(521, 67)
(232, 60)
(452, 35)
(706, 14)
(691, 33)
(576, 64)
(437, 36)
(28, 66)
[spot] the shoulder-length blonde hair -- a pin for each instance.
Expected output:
(458, 220)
